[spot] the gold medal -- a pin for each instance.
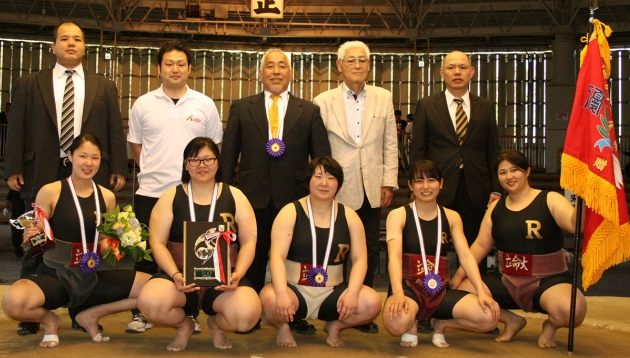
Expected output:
(432, 284)
(319, 278)
(91, 263)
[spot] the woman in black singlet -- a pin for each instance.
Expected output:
(166, 299)
(58, 281)
(527, 228)
(413, 295)
(307, 256)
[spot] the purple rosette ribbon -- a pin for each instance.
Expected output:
(432, 283)
(89, 262)
(275, 147)
(317, 277)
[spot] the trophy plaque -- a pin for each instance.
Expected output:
(207, 253)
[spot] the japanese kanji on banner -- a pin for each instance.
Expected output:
(590, 163)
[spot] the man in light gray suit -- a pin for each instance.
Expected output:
(361, 129)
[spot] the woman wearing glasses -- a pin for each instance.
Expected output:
(167, 299)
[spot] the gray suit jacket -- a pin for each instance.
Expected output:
(261, 177)
(434, 138)
(33, 140)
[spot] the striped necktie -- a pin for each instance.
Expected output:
(66, 135)
(274, 118)
(461, 121)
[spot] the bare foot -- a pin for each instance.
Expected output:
(284, 337)
(513, 325)
(218, 335)
(334, 334)
(90, 324)
(546, 337)
(410, 338)
(183, 336)
(51, 323)
(438, 333)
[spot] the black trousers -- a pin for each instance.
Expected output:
(371, 218)
(258, 270)
(472, 216)
(143, 205)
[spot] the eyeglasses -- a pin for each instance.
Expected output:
(353, 61)
(195, 162)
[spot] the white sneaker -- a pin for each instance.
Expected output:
(138, 324)
(197, 325)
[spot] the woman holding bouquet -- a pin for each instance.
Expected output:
(68, 275)
(167, 299)
(311, 239)
(418, 237)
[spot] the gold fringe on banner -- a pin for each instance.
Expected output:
(607, 247)
(598, 193)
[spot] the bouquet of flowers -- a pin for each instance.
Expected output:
(127, 235)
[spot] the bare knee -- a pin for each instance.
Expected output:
(371, 302)
(268, 302)
(397, 328)
(19, 298)
(153, 305)
(487, 324)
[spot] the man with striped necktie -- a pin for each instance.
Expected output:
(49, 109)
(458, 130)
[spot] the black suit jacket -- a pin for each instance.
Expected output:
(33, 140)
(262, 177)
(434, 138)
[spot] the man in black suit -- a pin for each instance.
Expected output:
(271, 177)
(34, 154)
(466, 159)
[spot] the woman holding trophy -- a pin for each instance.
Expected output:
(68, 276)
(168, 298)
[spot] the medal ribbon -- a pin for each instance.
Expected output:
(421, 239)
(191, 204)
(40, 216)
(311, 220)
(82, 223)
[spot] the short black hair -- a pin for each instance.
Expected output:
(86, 137)
(514, 157)
(174, 45)
(330, 165)
(410, 116)
(56, 29)
(193, 148)
(398, 112)
(425, 169)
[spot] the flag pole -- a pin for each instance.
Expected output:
(576, 260)
(577, 249)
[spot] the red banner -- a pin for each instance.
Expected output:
(591, 168)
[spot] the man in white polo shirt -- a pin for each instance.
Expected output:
(162, 122)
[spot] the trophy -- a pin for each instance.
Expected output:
(207, 253)
(41, 242)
